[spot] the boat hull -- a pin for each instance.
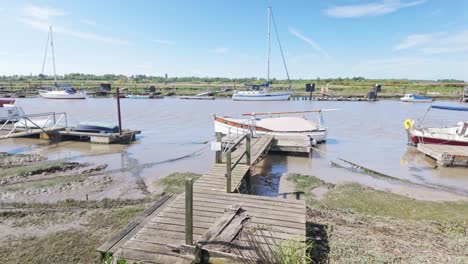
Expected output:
(253, 96)
(62, 95)
(447, 137)
(416, 100)
(10, 113)
(226, 128)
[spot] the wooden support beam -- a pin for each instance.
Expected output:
(248, 150)
(229, 171)
(219, 154)
(189, 212)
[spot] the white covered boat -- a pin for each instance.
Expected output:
(264, 94)
(275, 124)
(416, 98)
(8, 111)
(456, 135)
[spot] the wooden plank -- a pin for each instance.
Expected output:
(199, 200)
(136, 255)
(109, 244)
(203, 219)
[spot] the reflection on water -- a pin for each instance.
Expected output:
(369, 134)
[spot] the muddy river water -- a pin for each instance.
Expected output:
(175, 132)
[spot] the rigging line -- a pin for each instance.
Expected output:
(45, 54)
(280, 47)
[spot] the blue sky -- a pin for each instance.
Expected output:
(415, 39)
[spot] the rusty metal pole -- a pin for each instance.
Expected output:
(118, 111)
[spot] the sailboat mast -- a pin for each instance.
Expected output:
(53, 54)
(268, 71)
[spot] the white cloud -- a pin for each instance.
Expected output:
(309, 41)
(436, 43)
(40, 18)
(221, 50)
(42, 13)
(163, 42)
(415, 40)
(88, 22)
(370, 9)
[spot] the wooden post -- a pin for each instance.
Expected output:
(189, 212)
(229, 171)
(118, 111)
(219, 154)
(248, 150)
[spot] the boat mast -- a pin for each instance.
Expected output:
(267, 87)
(53, 54)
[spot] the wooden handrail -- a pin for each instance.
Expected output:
(237, 142)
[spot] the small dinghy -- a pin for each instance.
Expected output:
(96, 127)
(416, 98)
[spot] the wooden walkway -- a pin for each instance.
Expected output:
(446, 155)
(17, 133)
(156, 237)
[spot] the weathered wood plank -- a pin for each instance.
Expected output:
(108, 245)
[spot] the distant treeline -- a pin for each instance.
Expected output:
(164, 79)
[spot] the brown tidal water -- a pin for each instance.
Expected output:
(367, 133)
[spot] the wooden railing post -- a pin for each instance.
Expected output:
(219, 154)
(229, 171)
(189, 212)
(247, 149)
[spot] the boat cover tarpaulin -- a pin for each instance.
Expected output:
(453, 108)
(415, 96)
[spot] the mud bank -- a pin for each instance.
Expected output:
(31, 178)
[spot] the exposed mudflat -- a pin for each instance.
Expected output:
(32, 178)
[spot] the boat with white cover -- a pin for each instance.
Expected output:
(456, 135)
(275, 124)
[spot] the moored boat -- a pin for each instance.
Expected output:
(136, 96)
(416, 98)
(58, 91)
(96, 127)
(456, 135)
(67, 93)
(9, 112)
(263, 94)
(275, 124)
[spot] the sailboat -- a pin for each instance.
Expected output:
(59, 91)
(264, 94)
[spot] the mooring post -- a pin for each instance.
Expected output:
(118, 111)
(218, 155)
(228, 172)
(247, 149)
(189, 212)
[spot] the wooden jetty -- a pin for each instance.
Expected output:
(54, 126)
(446, 155)
(212, 214)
